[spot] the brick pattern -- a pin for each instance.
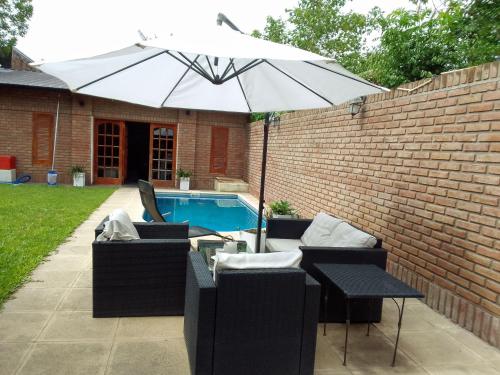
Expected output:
(77, 114)
(419, 169)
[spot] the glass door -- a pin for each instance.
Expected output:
(109, 151)
(162, 155)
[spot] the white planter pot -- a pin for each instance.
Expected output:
(184, 184)
(277, 216)
(79, 179)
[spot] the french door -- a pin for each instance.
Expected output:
(162, 155)
(109, 152)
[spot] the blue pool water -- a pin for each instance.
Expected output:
(219, 212)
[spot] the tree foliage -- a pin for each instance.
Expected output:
(413, 43)
(14, 16)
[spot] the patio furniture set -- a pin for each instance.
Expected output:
(247, 320)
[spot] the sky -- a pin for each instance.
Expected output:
(67, 29)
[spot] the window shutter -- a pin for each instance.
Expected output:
(42, 145)
(218, 150)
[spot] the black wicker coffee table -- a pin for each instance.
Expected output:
(365, 281)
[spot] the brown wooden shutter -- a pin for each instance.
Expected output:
(218, 150)
(42, 145)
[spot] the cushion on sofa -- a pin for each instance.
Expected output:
(241, 261)
(320, 230)
(345, 235)
(282, 244)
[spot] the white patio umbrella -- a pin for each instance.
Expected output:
(219, 70)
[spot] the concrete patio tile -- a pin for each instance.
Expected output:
(371, 354)
(327, 358)
(21, 326)
(67, 358)
(34, 299)
(11, 355)
(78, 299)
(413, 321)
(151, 327)
(153, 357)
(487, 352)
(463, 370)
(75, 249)
(78, 326)
(51, 279)
(84, 280)
(438, 349)
(56, 262)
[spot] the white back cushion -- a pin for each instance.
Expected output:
(345, 235)
(241, 261)
(320, 230)
(118, 227)
(282, 244)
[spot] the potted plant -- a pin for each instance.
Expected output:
(78, 173)
(282, 209)
(184, 177)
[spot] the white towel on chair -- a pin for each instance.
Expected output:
(118, 227)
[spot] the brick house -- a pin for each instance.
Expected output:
(115, 142)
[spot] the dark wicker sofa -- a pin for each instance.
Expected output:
(361, 311)
(256, 321)
(144, 277)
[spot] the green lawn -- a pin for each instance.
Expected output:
(34, 219)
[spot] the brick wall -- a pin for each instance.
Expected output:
(75, 130)
(419, 169)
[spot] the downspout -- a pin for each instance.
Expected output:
(55, 135)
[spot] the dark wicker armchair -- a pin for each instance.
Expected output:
(144, 277)
(259, 321)
(361, 311)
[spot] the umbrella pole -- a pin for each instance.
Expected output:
(262, 181)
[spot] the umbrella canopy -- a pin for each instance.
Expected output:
(219, 70)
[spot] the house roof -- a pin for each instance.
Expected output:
(23, 78)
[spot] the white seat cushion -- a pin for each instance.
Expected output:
(282, 244)
(345, 235)
(119, 227)
(320, 230)
(241, 261)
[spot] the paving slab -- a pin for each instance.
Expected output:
(67, 358)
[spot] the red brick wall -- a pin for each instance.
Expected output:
(421, 170)
(77, 114)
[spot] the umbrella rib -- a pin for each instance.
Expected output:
(210, 65)
(248, 66)
(119, 70)
(228, 68)
(199, 69)
(201, 73)
(300, 83)
(179, 81)
(342, 74)
(241, 87)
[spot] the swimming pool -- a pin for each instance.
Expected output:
(219, 212)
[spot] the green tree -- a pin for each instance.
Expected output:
(321, 26)
(413, 43)
(416, 44)
(14, 16)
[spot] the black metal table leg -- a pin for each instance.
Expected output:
(347, 322)
(325, 309)
(399, 329)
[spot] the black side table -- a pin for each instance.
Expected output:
(365, 281)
